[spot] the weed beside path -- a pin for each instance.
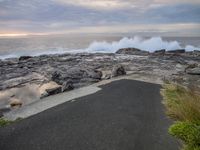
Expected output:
(183, 105)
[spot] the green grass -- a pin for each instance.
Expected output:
(4, 122)
(183, 105)
(188, 132)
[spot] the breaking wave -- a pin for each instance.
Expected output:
(151, 44)
(148, 44)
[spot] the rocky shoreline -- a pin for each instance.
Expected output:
(27, 79)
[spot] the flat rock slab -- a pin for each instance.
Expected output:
(49, 102)
(124, 115)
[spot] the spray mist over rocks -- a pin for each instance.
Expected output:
(150, 44)
(9, 49)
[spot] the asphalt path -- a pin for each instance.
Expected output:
(124, 115)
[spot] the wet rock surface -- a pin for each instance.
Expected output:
(161, 52)
(177, 51)
(132, 51)
(22, 58)
(71, 71)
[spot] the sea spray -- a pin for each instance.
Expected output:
(150, 44)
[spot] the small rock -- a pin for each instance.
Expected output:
(43, 95)
(107, 76)
(118, 70)
(24, 58)
(54, 91)
(67, 86)
(4, 110)
(94, 74)
(15, 102)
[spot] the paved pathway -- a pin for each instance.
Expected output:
(124, 115)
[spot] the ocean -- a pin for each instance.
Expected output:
(53, 44)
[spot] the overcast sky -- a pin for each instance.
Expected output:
(181, 17)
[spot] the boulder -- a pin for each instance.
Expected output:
(77, 74)
(67, 86)
(196, 53)
(132, 51)
(14, 102)
(193, 71)
(46, 86)
(177, 51)
(159, 52)
(180, 67)
(191, 66)
(56, 76)
(118, 70)
(94, 74)
(22, 58)
(53, 91)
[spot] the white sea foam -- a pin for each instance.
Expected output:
(151, 44)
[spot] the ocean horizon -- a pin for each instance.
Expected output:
(57, 44)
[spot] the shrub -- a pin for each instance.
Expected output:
(188, 132)
(183, 105)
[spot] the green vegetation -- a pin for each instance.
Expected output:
(188, 132)
(4, 122)
(183, 105)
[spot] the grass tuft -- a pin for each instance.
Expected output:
(4, 122)
(183, 105)
(187, 132)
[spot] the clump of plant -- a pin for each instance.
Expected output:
(183, 105)
(4, 122)
(188, 132)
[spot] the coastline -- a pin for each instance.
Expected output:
(41, 76)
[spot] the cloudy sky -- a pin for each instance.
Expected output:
(178, 17)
